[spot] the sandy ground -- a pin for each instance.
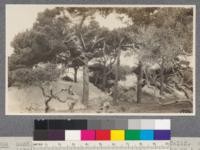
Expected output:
(31, 100)
(25, 100)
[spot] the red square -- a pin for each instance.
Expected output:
(103, 135)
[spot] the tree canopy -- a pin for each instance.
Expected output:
(73, 37)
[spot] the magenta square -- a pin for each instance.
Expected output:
(87, 135)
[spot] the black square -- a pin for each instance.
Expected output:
(40, 135)
(56, 124)
(76, 124)
(40, 124)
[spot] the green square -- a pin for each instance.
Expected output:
(132, 135)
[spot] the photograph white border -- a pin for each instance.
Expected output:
(110, 114)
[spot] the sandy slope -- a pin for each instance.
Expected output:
(32, 100)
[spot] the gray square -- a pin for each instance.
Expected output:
(147, 124)
(107, 124)
(93, 124)
(134, 124)
(121, 124)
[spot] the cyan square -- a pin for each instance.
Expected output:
(147, 135)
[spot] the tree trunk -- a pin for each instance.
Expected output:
(147, 81)
(104, 78)
(162, 77)
(115, 98)
(104, 82)
(75, 73)
(96, 76)
(85, 84)
(139, 82)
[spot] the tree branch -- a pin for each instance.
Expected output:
(110, 65)
(52, 95)
(82, 41)
(120, 42)
(104, 54)
(97, 41)
(58, 99)
(81, 60)
(43, 91)
(128, 46)
(62, 90)
(82, 21)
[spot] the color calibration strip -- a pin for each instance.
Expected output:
(104, 130)
(102, 135)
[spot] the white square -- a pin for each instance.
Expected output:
(72, 135)
(163, 124)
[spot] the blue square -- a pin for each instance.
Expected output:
(147, 135)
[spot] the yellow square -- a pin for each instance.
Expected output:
(117, 135)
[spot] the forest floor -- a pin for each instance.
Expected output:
(31, 100)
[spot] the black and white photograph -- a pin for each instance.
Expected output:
(100, 59)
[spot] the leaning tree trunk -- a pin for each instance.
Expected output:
(85, 84)
(162, 77)
(75, 73)
(139, 82)
(47, 98)
(47, 107)
(116, 90)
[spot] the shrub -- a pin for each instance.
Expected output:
(36, 76)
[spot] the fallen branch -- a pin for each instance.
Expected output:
(182, 89)
(175, 102)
